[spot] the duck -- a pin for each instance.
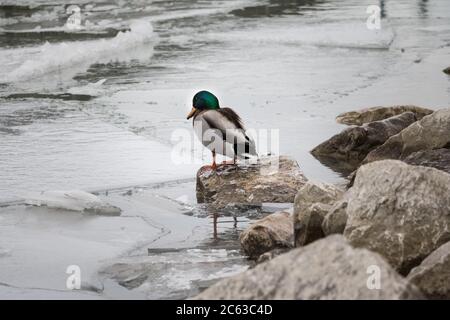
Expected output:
(221, 130)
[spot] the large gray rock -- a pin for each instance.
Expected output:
(432, 132)
(312, 203)
(336, 218)
(325, 269)
(432, 276)
(353, 144)
(438, 158)
(359, 117)
(271, 232)
(399, 211)
(269, 255)
(271, 179)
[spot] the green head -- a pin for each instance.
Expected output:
(203, 100)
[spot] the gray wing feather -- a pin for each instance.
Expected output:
(231, 130)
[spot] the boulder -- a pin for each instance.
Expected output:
(431, 132)
(432, 276)
(340, 166)
(269, 255)
(271, 179)
(353, 144)
(312, 203)
(325, 269)
(367, 115)
(274, 231)
(336, 218)
(438, 158)
(400, 211)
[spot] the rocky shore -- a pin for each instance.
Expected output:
(384, 236)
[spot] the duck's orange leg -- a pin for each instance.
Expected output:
(214, 165)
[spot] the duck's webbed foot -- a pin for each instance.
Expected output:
(207, 168)
(228, 163)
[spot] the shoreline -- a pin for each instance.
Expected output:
(391, 219)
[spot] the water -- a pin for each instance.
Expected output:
(95, 109)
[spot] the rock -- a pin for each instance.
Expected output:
(438, 158)
(446, 70)
(432, 132)
(271, 179)
(432, 276)
(367, 115)
(400, 211)
(343, 167)
(336, 218)
(274, 231)
(353, 144)
(312, 203)
(325, 269)
(271, 254)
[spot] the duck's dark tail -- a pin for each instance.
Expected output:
(249, 150)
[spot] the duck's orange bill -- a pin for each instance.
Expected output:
(191, 114)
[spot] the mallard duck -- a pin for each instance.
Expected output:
(220, 129)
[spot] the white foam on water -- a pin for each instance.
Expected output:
(227, 272)
(35, 17)
(181, 277)
(92, 89)
(76, 56)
